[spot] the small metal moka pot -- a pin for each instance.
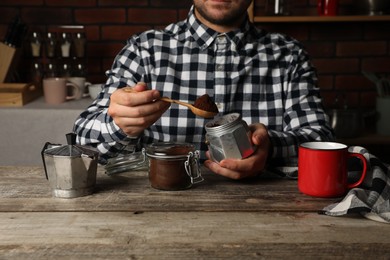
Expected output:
(71, 169)
(228, 136)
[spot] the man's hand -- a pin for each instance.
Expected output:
(134, 109)
(248, 167)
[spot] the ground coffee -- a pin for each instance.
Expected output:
(206, 103)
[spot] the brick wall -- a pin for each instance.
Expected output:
(107, 23)
(340, 51)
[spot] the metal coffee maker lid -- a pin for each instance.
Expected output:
(71, 169)
(228, 136)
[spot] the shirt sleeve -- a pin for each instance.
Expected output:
(304, 117)
(94, 127)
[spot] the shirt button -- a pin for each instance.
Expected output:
(219, 105)
(220, 67)
(221, 39)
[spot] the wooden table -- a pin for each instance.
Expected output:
(220, 218)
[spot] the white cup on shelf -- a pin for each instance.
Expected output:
(95, 89)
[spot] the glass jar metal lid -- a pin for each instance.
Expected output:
(169, 150)
(228, 136)
(126, 162)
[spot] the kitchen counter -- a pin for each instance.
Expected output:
(265, 217)
(24, 130)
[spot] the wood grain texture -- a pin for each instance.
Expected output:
(125, 218)
(132, 192)
(188, 235)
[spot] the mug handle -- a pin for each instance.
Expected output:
(87, 84)
(75, 91)
(364, 171)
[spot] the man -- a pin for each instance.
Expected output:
(267, 78)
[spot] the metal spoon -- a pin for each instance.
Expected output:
(195, 110)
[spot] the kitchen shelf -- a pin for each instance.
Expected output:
(314, 19)
(321, 19)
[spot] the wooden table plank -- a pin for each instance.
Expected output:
(132, 192)
(220, 218)
(189, 235)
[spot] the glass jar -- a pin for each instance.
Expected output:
(51, 44)
(228, 136)
(79, 70)
(79, 43)
(278, 7)
(51, 71)
(37, 74)
(173, 166)
(66, 71)
(65, 45)
(36, 44)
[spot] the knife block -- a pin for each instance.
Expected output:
(14, 94)
(7, 60)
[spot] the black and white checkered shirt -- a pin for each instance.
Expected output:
(265, 77)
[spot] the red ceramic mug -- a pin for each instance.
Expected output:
(327, 7)
(323, 169)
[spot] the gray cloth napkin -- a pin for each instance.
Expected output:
(372, 198)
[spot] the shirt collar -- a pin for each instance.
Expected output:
(205, 36)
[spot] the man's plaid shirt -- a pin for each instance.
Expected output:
(265, 77)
